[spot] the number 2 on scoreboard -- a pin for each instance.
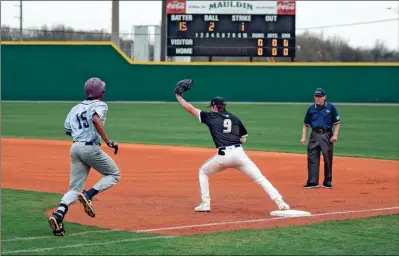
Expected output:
(211, 26)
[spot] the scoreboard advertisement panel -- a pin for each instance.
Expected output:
(231, 28)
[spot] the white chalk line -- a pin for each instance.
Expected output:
(72, 234)
(87, 244)
(260, 220)
(199, 225)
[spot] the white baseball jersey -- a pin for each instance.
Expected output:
(80, 120)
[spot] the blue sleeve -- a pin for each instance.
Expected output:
(335, 115)
(308, 118)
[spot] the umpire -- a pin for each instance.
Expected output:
(321, 117)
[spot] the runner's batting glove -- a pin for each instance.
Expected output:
(114, 145)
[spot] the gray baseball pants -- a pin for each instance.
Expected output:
(84, 157)
(320, 142)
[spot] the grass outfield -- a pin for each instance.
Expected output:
(367, 131)
(371, 236)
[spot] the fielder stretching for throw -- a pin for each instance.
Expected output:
(85, 124)
(228, 134)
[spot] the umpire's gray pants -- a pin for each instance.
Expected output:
(83, 158)
(320, 143)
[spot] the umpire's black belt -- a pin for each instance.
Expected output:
(221, 149)
(322, 131)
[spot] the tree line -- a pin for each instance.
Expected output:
(310, 47)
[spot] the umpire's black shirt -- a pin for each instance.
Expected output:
(322, 117)
(226, 128)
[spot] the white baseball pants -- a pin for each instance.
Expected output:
(235, 157)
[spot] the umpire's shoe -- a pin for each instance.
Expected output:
(55, 222)
(311, 185)
(87, 205)
(328, 185)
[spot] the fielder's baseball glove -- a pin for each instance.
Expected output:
(183, 86)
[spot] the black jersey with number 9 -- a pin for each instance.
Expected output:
(226, 128)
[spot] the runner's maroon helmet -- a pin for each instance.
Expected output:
(94, 88)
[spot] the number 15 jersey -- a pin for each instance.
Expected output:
(226, 129)
(80, 120)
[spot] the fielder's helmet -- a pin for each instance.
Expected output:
(94, 88)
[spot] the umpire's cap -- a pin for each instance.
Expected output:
(319, 92)
(218, 100)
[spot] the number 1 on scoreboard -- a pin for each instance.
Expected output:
(242, 28)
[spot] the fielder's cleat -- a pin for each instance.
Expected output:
(311, 186)
(326, 185)
(87, 205)
(282, 205)
(55, 222)
(203, 207)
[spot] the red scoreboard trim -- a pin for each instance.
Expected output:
(286, 7)
(176, 6)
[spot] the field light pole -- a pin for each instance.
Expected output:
(20, 20)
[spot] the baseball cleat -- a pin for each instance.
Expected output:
(203, 207)
(55, 222)
(282, 205)
(87, 205)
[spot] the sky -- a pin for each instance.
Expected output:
(97, 15)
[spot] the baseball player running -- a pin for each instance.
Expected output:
(85, 124)
(228, 134)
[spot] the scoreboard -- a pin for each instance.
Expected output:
(231, 28)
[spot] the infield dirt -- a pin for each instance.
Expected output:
(159, 187)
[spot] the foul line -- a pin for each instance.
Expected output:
(260, 220)
(73, 234)
(88, 244)
(198, 225)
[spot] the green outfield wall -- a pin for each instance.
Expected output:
(58, 72)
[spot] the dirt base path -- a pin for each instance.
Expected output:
(159, 188)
